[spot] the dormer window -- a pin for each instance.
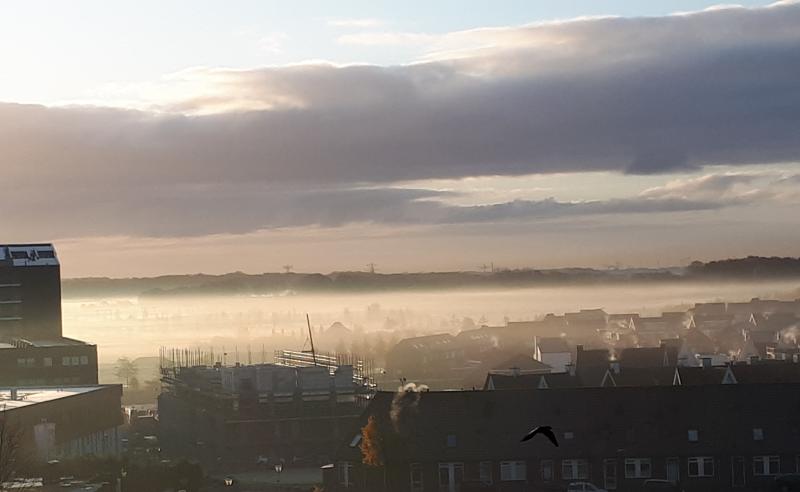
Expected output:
(693, 435)
(451, 440)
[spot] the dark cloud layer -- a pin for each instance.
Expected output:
(641, 95)
(231, 209)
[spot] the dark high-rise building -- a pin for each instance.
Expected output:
(33, 351)
(30, 291)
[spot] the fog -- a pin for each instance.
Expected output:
(134, 327)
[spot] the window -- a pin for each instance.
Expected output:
(345, 473)
(84, 360)
(693, 435)
(547, 470)
(416, 477)
(511, 471)
(485, 471)
(610, 474)
(766, 465)
(65, 361)
(701, 466)
(48, 362)
(569, 435)
(758, 434)
(75, 360)
(637, 468)
(451, 440)
(574, 469)
(451, 475)
(21, 363)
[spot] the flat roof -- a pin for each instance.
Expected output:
(52, 342)
(57, 342)
(26, 255)
(32, 395)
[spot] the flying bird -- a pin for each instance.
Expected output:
(545, 430)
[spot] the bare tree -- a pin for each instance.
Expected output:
(10, 439)
(127, 370)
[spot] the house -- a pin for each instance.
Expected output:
(554, 352)
(615, 437)
(521, 364)
(639, 357)
(711, 324)
(650, 329)
(638, 376)
(708, 308)
(696, 349)
(591, 365)
(425, 354)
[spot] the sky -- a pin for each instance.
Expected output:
(147, 138)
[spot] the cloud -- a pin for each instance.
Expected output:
(209, 209)
(627, 95)
(729, 188)
(273, 42)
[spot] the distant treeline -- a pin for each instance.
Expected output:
(750, 267)
(238, 283)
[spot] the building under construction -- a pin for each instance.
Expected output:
(300, 407)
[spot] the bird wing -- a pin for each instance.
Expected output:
(550, 435)
(530, 434)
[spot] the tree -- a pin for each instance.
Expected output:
(371, 445)
(10, 439)
(127, 370)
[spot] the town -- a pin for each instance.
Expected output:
(701, 400)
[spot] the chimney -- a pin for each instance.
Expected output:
(706, 362)
(571, 369)
(615, 367)
(515, 371)
(14, 394)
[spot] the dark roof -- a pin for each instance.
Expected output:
(776, 321)
(427, 342)
(523, 363)
(591, 358)
(552, 344)
(338, 329)
(767, 372)
(533, 381)
(709, 308)
(699, 342)
(643, 376)
(693, 376)
(648, 357)
(652, 421)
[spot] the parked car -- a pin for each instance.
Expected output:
(661, 484)
(584, 487)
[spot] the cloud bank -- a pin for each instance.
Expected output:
(323, 144)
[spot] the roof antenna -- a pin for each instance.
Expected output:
(311, 337)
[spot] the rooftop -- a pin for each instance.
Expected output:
(52, 342)
(31, 396)
(26, 255)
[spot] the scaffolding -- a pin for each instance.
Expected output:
(363, 369)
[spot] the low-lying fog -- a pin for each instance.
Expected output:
(134, 328)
